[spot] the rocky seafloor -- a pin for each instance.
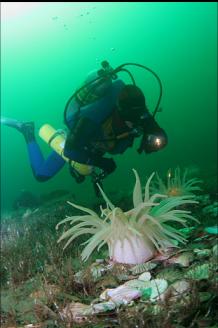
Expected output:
(44, 286)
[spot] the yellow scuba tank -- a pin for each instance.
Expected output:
(56, 140)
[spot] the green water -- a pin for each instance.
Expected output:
(47, 49)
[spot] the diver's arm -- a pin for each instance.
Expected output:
(79, 137)
(76, 142)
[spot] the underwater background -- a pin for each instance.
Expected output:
(47, 50)
(143, 259)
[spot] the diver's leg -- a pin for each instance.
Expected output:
(43, 169)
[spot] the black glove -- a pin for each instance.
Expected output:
(106, 164)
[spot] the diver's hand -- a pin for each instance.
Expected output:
(107, 164)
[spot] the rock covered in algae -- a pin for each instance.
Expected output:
(170, 274)
(199, 272)
(201, 253)
(182, 259)
(212, 230)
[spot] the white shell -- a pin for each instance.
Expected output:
(146, 276)
(140, 268)
(158, 286)
(103, 307)
(136, 283)
(104, 295)
(123, 294)
(180, 287)
(76, 312)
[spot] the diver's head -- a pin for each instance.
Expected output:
(133, 110)
(131, 104)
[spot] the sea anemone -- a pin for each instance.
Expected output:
(177, 184)
(133, 236)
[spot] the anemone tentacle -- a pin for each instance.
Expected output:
(140, 230)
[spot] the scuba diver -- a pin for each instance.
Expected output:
(103, 116)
